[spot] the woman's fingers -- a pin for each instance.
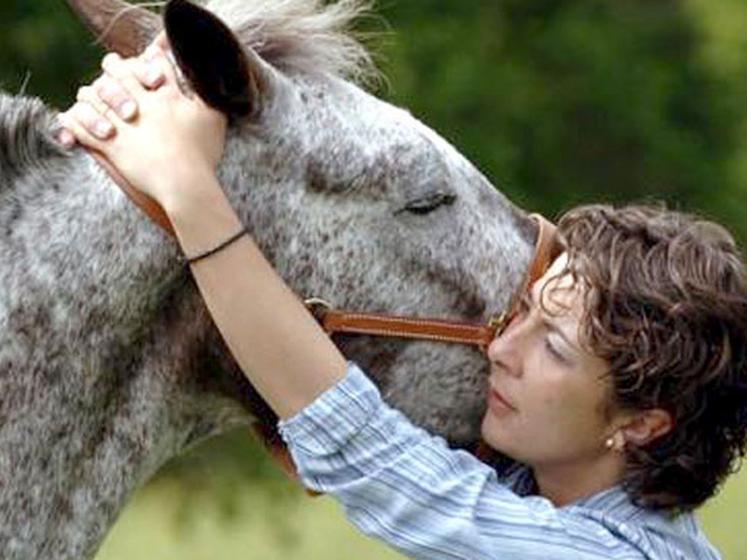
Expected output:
(91, 113)
(162, 41)
(65, 137)
(148, 70)
(115, 88)
(122, 72)
(157, 66)
(71, 123)
(97, 110)
(115, 97)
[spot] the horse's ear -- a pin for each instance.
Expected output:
(119, 26)
(225, 74)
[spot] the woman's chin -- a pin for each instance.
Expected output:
(490, 431)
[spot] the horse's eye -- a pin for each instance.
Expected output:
(427, 204)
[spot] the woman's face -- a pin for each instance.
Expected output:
(547, 395)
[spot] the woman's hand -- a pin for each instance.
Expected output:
(159, 138)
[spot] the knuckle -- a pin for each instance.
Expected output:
(71, 114)
(127, 63)
(76, 122)
(83, 93)
(150, 52)
(109, 60)
(87, 113)
(110, 92)
(124, 74)
(113, 64)
(78, 111)
(99, 82)
(91, 112)
(101, 87)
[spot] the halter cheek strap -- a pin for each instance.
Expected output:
(438, 330)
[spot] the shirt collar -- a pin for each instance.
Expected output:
(617, 503)
(614, 501)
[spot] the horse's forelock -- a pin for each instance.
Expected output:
(307, 36)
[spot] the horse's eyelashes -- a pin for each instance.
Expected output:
(427, 204)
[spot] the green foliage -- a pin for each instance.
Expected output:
(145, 530)
(44, 48)
(558, 101)
(562, 102)
(213, 475)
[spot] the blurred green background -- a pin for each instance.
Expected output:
(557, 101)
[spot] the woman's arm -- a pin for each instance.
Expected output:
(277, 343)
(399, 484)
(170, 152)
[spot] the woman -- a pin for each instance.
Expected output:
(619, 390)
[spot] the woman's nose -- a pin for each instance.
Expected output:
(505, 350)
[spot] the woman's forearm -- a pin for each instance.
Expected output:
(276, 342)
(274, 339)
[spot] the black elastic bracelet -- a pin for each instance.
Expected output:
(220, 247)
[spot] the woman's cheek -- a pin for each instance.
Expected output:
(555, 400)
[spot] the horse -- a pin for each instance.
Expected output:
(109, 362)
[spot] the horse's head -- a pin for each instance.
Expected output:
(352, 199)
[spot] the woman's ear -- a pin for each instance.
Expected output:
(646, 426)
(227, 76)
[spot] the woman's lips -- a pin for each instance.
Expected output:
(497, 403)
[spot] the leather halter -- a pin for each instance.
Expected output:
(335, 321)
(438, 330)
(377, 324)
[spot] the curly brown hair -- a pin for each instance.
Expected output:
(666, 307)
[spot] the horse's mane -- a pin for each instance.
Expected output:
(309, 36)
(25, 137)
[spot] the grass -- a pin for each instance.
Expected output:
(307, 529)
(722, 518)
(154, 526)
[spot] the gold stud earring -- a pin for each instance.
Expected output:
(615, 442)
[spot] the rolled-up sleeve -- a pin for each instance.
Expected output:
(407, 487)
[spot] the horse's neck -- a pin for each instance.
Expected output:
(94, 379)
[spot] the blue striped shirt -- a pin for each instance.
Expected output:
(408, 488)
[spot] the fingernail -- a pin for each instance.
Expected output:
(127, 110)
(154, 76)
(103, 129)
(66, 138)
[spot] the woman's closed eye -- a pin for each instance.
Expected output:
(524, 307)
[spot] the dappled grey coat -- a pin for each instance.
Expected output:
(109, 364)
